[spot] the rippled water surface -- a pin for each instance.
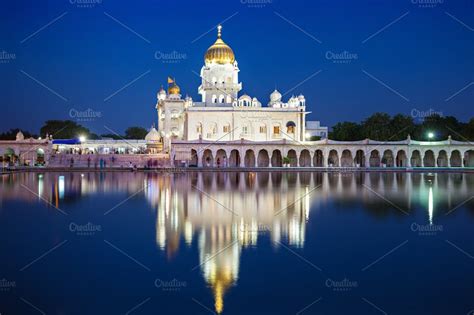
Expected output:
(236, 243)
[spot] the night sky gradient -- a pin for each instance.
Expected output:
(415, 63)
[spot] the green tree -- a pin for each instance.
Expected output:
(346, 131)
(401, 126)
(135, 133)
(111, 136)
(468, 130)
(378, 127)
(11, 134)
(64, 129)
(441, 127)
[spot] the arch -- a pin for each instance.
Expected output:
(234, 158)
(318, 158)
(429, 159)
(263, 160)
(346, 158)
(229, 99)
(221, 158)
(249, 159)
(305, 158)
(374, 160)
(277, 160)
(359, 159)
(207, 158)
(214, 98)
(293, 158)
(290, 127)
(221, 98)
(194, 158)
(387, 158)
(9, 155)
(442, 160)
(415, 159)
(333, 159)
(40, 156)
(455, 160)
(401, 159)
(469, 158)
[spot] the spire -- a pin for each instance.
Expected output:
(219, 31)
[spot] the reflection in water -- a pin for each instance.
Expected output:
(227, 212)
(430, 205)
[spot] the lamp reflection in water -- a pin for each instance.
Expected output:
(430, 205)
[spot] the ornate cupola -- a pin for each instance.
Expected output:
(219, 52)
(220, 81)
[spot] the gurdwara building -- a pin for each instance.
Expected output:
(224, 114)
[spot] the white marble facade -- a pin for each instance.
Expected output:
(223, 115)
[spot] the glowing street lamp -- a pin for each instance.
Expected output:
(430, 135)
(82, 138)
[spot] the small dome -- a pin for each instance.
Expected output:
(245, 97)
(219, 52)
(153, 135)
(301, 97)
(275, 96)
(20, 136)
(174, 89)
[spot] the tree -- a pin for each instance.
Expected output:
(111, 136)
(441, 127)
(11, 134)
(64, 129)
(135, 133)
(346, 131)
(378, 127)
(468, 130)
(401, 126)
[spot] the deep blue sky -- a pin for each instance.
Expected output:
(426, 56)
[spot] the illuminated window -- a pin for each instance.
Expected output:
(276, 130)
(226, 129)
(290, 127)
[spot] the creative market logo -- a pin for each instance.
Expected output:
(84, 115)
(427, 3)
(7, 285)
(255, 228)
(426, 229)
(256, 3)
(85, 4)
(423, 114)
(170, 57)
(343, 285)
(344, 57)
(170, 285)
(6, 57)
(87, 229)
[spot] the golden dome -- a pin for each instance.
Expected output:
(219, 52)
(173, 88)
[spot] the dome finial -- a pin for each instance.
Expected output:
(219, 31)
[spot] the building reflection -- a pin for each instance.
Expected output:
(224, 213)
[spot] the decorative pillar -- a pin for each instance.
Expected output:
(325, 157)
